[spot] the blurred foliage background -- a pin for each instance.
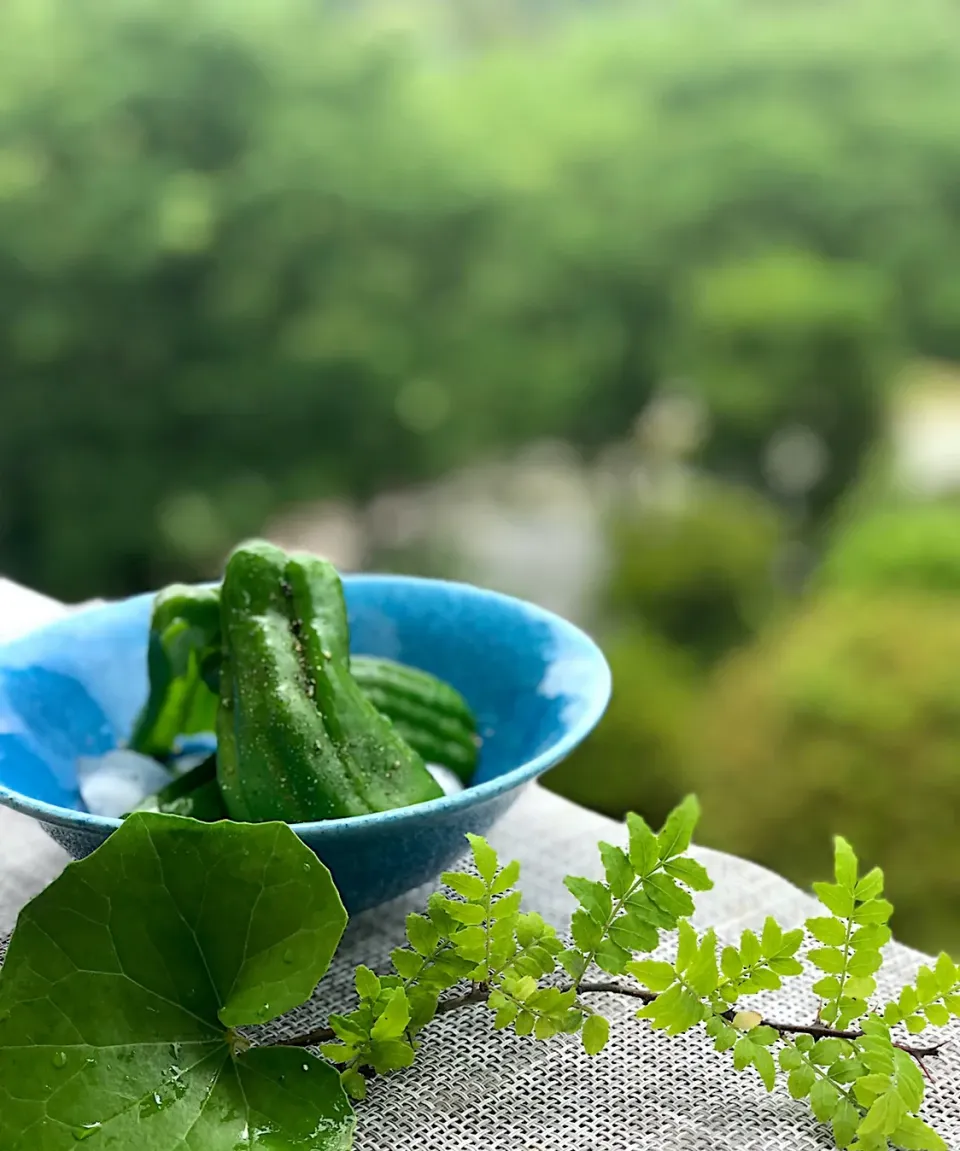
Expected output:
(648, 311)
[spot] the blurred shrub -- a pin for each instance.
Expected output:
(845, 720)
(634, 759)
(697, 565)
(908, 546)
(792, 353)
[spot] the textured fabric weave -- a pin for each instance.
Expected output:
(473, 1089)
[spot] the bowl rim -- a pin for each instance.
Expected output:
(598, 697)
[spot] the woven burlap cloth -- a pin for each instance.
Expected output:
(473, 1088)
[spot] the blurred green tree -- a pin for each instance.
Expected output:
(845, 719)
(698, 565)
(692, 574)
(231, 243)
(277, 252)
(793, 355)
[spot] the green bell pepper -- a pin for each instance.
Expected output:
(183, 665)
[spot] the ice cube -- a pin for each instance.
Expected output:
(448, 780)
(190, 751)
(181, 764)
(114, 783)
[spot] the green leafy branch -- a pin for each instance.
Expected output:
(514, 961)
(867, 1086)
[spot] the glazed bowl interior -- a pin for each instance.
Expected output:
(537, 684)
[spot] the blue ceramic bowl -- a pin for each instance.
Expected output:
(537, 684)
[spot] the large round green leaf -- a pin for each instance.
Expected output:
(124, 979)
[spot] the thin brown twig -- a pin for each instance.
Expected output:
(817, 1030)
(310, 1039)
(478, 994)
